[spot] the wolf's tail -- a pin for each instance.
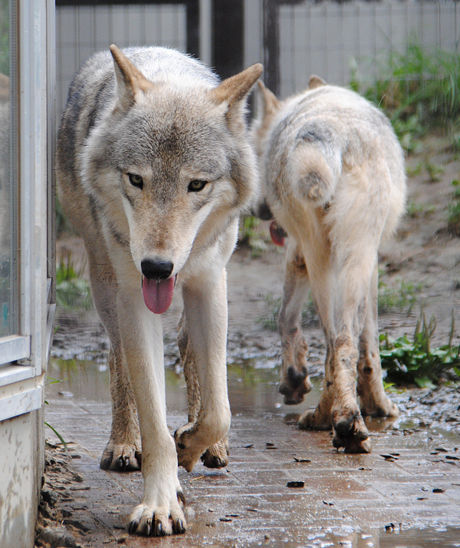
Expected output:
(317, 166)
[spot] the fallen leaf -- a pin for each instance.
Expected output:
(301, 459)
(295, 484)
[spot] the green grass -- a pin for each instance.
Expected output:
(419, 90)
(72, 291)
(403, 297)
(415, 361)
(415, 210)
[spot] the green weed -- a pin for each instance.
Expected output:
(52, 380)
(434, 171)
(453, 220)
(403, 297)
(414, 210)
(414, 171)
(418, 89)
(414, 361)
(250, 237)
(58, 434)
(72, 291)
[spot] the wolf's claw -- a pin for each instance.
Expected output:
(121, 458)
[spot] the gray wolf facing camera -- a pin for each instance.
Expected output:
(154, 167)
(334, 180)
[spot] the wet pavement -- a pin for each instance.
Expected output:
(405, 493)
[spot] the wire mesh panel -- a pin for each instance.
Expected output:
(294, 38)
(336, 39)
(81, 30)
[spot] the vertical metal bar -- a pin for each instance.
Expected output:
(193, 26)
(227, 28)
(271, 45)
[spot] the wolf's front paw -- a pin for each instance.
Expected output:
(294, 385)
(216, 456)
(121, 457)
(350, 432)
(153, 520)
(188, 452)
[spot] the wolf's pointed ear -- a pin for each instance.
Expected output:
(130, 80)
(270, 104)
(315, 82)
(234, 90)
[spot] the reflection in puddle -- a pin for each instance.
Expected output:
(392, 536)
(252, 389)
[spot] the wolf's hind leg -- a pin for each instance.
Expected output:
(374, 401)
(294, 382)
(341, 295)
(123, 450)
(353, 272)
(215, 456)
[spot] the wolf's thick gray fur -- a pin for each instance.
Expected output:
(154, 167)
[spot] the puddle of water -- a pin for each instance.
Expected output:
(392, 537)
(252, 389)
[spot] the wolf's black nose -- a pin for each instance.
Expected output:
(156, 269)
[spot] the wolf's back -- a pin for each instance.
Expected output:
(326, 133)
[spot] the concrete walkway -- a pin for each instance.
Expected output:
(405, 493)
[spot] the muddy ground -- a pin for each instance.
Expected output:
(422, 253)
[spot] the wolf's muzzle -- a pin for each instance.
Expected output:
(156, 269)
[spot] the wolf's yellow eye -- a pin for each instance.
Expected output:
(136, 180)
(196, 185)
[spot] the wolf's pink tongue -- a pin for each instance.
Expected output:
(277, 234)
(158, 294)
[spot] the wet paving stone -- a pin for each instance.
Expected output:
(344, 500)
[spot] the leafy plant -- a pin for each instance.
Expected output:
(72, 291)
(414, 361)
(453, 221)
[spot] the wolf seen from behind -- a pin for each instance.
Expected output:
(333, 177)
(154, 168)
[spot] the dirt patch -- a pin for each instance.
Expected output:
(57, 525)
